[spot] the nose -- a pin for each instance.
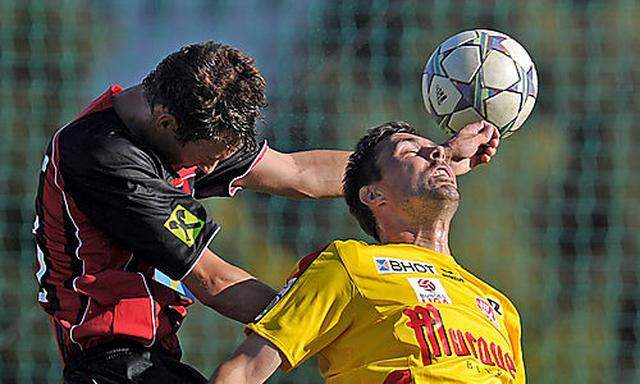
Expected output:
(438, 153)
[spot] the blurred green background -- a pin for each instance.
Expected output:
(553, 222)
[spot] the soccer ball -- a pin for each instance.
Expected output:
(480, 75)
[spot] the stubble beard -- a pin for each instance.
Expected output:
(432, 202)
(446, 193)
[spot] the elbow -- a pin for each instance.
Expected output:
(300, 189)
(305, 194)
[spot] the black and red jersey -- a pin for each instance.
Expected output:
(109, 211)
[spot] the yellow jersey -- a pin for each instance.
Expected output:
(393, 313)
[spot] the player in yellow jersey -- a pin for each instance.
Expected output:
(402, 311)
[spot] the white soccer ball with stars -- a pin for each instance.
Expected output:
(480, 75)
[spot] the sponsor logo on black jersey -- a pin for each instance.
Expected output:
(184, 225)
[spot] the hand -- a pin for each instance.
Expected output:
(473, 145)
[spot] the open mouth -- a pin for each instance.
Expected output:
(443, 176)
(442, 172)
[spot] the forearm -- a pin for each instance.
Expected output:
(314, 174)
(321, 173)
(228, 289)
(253, 362)
(242, 301)
(230, 372)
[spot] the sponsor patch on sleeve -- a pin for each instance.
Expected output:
(429, 290)
(385, 265)
(490, 308)
(184, 225)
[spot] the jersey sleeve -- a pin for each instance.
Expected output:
(120, 189)
(219, 183)
(515, 335)
(312, 310)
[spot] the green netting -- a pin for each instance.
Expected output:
(553, 222)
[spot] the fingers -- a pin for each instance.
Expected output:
(495, 137)
(490, 151)
(475, 128)
(487, 151)
(490, 131)
(496, 132)
(484, 138)
(482, 157)
(485, 133)
(477, 141)
(490, 148)
(484, 127)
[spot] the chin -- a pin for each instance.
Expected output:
(446, 192)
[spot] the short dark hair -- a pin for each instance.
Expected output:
(213, 90)
(363, 169)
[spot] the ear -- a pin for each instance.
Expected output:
(371, 196)
(166, 121)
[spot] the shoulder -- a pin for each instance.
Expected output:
(357, 256)
(512, 316)
(337, 260)
(498, 300)
(350, 250)
(330, 256)
(99, 140)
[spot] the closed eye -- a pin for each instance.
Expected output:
(407, 147)
(411, 153)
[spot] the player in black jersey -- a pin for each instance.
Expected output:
(117, 209)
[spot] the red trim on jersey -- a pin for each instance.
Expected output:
(103, 102)
(398, 377)
(305, 262)
(60, 269)
(68, 212)
(187, 173)
(69, 208)
(99, 301)
(182, 181)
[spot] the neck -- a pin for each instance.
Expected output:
(132, 107)
(428, 229)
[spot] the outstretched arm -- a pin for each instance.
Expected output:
(314, 174)
(253, 362)
(317, 174)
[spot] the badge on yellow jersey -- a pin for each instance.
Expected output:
(429, 290)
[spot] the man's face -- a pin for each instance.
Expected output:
(415, 167)
(205, 154)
